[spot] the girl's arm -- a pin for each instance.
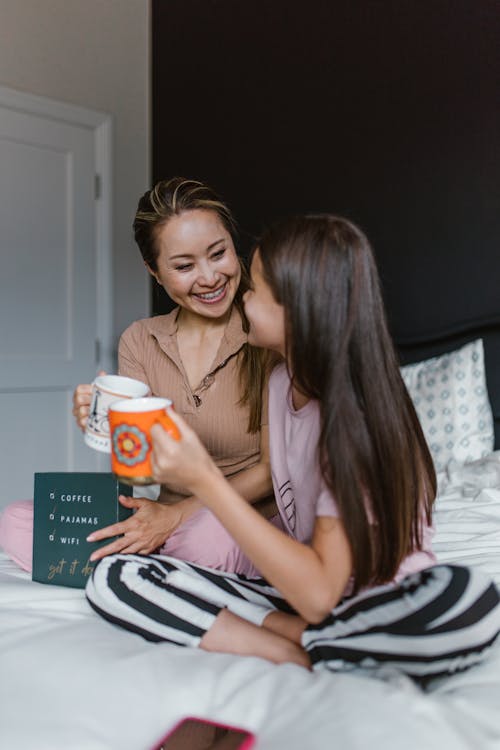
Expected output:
(312, 579)
(152, 523)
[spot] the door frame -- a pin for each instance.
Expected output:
(101, 125)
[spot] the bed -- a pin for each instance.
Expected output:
(70, 680)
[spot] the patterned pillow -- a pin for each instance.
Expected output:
(450, 396)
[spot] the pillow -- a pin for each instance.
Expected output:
(450, 397)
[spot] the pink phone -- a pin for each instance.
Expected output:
(201, 734)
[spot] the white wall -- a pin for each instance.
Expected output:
(94, 53)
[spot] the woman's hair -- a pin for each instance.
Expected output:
(372, 451)
(169, 198)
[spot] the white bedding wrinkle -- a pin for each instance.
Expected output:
(68, 679)
(467, 515)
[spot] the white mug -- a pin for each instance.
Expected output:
(106, 389)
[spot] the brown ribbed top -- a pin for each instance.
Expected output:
(148, 351)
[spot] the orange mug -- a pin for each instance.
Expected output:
(130, 422)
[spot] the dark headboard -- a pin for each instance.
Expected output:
(420, 347)
(386, 113)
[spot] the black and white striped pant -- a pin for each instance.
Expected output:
(437, 621)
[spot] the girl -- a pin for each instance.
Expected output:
(353, 581)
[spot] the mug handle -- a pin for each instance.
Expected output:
(169, 426)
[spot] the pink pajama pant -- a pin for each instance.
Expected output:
(202, 539)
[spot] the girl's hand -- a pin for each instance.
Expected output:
(183, 462)
(142, 533)
(82, 396)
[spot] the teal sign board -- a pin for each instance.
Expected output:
(68, 507)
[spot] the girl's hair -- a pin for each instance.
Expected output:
(372, 451)
(169, 198)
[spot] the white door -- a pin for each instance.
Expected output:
(48, 291)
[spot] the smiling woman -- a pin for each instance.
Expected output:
(197, 263)
(198, 356)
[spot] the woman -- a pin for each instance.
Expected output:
(198, 356)
(354, 581)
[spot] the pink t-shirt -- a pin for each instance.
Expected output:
(300, 490)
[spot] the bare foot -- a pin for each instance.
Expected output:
(231, 634)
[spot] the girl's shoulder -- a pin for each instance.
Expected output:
(279, 379)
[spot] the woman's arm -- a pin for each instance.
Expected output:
(255, 483)
(312, 579)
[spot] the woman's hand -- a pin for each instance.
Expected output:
(183, 462)
(144, 531)
(82, 396)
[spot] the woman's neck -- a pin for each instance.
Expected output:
(198, 341)
(192, 324)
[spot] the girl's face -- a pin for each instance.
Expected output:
(265, 315)
(197, 263)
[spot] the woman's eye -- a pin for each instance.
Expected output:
(219, 253)
(184, 267)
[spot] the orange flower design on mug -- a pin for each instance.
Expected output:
(130, 444)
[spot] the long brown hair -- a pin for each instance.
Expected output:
(372, 450)
(169, 198)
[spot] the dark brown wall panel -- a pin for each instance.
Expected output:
(387, 112)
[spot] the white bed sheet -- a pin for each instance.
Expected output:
(69, 680)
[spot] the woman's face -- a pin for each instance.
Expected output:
(265, 315)
(197, 263)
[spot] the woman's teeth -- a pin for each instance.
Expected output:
(211, 296)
